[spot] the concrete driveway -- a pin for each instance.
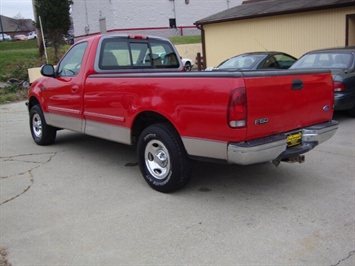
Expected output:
(82, 201)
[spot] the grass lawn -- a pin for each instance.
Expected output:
(15, 58)
(185, 39)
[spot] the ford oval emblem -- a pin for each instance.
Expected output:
(326, 108)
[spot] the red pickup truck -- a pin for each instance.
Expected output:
(132, 90)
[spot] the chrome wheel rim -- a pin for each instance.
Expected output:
(157, 159)
(37, 125)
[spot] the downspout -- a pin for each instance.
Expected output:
(176, 26)
(203, 46)
(203, 40)
(87, 27)
(174, 11)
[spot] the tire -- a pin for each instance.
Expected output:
(162, 158)
(351, 112)
(42, 133)
(187, 66)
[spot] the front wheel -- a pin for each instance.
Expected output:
(42, 133)
(162, 158)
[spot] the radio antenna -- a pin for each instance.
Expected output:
(261, 45)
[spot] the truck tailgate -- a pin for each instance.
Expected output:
(281, 101)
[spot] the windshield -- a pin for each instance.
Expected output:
(241, 62)
(325, 60)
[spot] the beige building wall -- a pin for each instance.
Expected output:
(189, 50)
(294, 34)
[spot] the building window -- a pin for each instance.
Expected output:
(172, 22)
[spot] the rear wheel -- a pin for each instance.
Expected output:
(162, 158)
(42, 133)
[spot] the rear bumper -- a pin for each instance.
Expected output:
(275, 147)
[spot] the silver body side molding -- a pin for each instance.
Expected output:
(89, 127)
(63, 121)
(109, 132)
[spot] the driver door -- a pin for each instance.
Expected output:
(64, 92)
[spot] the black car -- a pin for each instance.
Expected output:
(256, 60)
(341, 62)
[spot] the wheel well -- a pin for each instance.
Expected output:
(32, 102)
(144, 120)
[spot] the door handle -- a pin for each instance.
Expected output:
(297, 84)
(75, 89)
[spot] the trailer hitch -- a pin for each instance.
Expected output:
(293, 159)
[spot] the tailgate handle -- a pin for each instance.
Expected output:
(297, 84)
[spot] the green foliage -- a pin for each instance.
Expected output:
(11, 88)
(11, 93)
(17, 57)
(55, 17)
(14, 63)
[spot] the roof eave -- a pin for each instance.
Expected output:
(301, 10)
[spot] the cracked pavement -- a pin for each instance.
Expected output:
(82, 201)
(16, 174)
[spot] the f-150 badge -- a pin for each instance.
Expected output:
(261, 121)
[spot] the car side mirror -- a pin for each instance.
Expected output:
(47, 70)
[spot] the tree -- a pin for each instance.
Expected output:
(55, 17)
(19, 23)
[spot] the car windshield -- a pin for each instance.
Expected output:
(325, 60)
(241, 62)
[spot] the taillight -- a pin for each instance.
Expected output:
(237, 109)
(338, 86)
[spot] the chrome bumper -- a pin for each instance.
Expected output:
(275, 147)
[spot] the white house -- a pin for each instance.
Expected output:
(157, 17)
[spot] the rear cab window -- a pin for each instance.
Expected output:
(124, 53)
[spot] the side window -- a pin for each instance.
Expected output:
(284, 61)
(270, 63)
(71, 63)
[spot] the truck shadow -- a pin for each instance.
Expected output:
(266, 177)
(206, 177)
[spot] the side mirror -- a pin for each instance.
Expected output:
(47, 70)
